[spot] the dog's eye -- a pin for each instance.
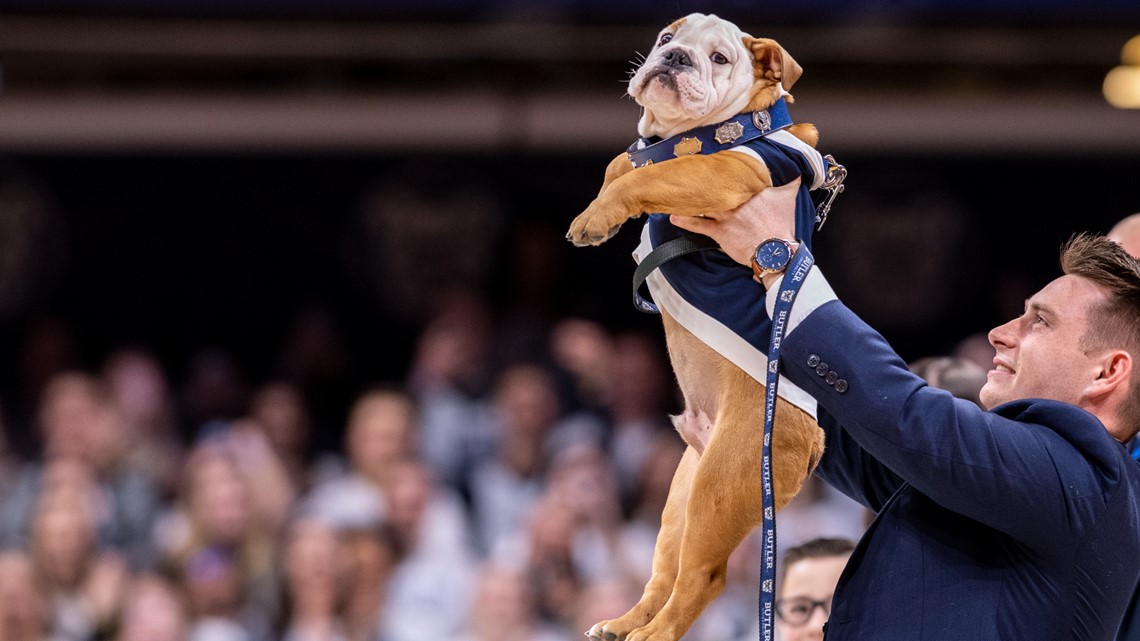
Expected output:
(665, 37)
(719, 58)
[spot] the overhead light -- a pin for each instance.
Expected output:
(1122, 84)
(1122, 87)
(1131, 53)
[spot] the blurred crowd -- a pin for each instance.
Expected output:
(477, 498)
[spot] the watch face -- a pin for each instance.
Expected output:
(773, 255)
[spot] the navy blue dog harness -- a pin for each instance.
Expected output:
(708, 293)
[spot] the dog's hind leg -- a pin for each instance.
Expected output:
(665, 557)
(724, 506)
(725, 499)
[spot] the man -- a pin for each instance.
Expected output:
(1022, 522)
(1127, 233)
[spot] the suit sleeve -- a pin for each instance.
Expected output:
(1027, 477)
(847, 467)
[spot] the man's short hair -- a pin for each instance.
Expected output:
(1114, 323)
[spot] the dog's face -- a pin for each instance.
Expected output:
(703, 70)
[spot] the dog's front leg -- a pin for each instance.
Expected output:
(665, 557)
(688, 186)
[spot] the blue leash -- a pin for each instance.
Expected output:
(789, 287)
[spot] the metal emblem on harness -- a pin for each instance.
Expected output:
(728, 132)
(762, 120)
(687, 146)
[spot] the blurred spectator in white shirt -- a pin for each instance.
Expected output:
(431, 584)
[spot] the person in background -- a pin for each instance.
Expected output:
(217, 534)
(215, 585)
(430, 584)
(581, 479)
(639, 399)
(272, 494)
(448, 378)
(639, 532)
(548, 555)
(503, 609)
(24, 610)
(14, 472)
(214, 391)
(505, 485)
(154, 610)
(313, 584)
(278, 409)
(583, 349)
(84, 584)
(809, 573)
(368, 555)
(961, 377)
(84, 437)
(1127, 233)
(381, 431)
(141, 392)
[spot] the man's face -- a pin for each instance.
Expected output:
(1039, 353)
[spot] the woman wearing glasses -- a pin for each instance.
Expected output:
(809, 573)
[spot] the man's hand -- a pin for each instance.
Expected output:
(769, 214)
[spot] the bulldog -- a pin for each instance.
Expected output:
(704, 71)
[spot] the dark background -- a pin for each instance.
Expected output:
(196, 175)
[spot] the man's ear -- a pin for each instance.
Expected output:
(770, 56)
(1116, 371)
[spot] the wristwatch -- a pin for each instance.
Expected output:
(771, 257)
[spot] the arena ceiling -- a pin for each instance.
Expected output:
(194, 77)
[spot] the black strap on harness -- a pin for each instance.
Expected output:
(660, 255)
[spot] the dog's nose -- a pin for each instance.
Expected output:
(677, 58)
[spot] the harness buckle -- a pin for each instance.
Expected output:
(833, 185)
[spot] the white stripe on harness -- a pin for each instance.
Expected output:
(713, 333)
(814, 158)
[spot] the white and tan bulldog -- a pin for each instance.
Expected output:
(702, 71)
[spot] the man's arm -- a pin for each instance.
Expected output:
(845, 464)
(847, 467)
(1034, 478)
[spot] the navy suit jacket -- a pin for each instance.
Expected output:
(1019, 523)
(1130, 628)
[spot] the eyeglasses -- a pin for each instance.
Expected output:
(797, 612)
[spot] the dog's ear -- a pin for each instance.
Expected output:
(770, 56)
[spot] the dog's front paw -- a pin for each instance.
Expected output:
(594, 227)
